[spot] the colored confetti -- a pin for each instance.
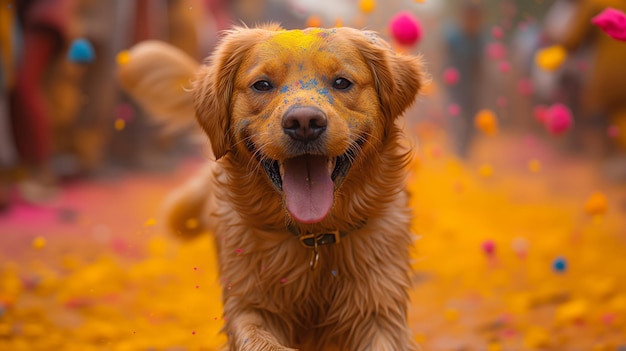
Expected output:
(559, 265)
(81, 51)
(489, 247)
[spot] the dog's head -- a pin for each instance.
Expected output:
(307, 105)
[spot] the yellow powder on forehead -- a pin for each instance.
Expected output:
(298, 38)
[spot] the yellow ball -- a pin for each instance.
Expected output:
(314, 21)
(367, 6)
(534, 166)
(119, 124)
(486, 122)
(39, 242)
(596, 204)
(122, 58)
(550, 58)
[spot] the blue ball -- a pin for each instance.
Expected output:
(81, 51)
(559, 264)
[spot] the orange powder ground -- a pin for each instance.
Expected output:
(95, 270)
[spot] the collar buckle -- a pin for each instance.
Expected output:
(313, 240)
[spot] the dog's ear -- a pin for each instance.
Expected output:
(398, 77)
(213, 87)
(158, 76)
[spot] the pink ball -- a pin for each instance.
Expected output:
(451, 76)
(612, 22)
(525, 87)
(612, 131)
(489, 247)
(405, 29)
(504, 67)
(124, 112)
(454, 110)
(497, 32)
(541, 113)
(502, 101)
(558, 119)
(496, 51)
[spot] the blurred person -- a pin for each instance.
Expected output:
(603, 100)
(64, 112)
(8, 58)
(464, 41)
(45, 27)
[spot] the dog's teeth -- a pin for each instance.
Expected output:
(331, 164)
(281, 170)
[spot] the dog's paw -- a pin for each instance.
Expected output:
(254, 339)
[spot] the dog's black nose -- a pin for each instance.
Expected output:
(304, 123)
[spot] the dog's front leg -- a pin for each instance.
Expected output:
(386, 332)
(247, 331)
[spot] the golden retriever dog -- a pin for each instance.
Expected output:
(306, 194)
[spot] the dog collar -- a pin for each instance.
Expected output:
(314, 240)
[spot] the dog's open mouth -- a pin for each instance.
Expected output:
(308, 183)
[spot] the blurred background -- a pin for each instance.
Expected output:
(519, 178)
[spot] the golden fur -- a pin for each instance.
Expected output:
(357, 297)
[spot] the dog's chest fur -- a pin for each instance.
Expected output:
(270, 270)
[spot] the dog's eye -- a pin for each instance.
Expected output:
(341, 84)
(262, 85)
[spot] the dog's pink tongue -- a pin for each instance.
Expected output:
(308, 188)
